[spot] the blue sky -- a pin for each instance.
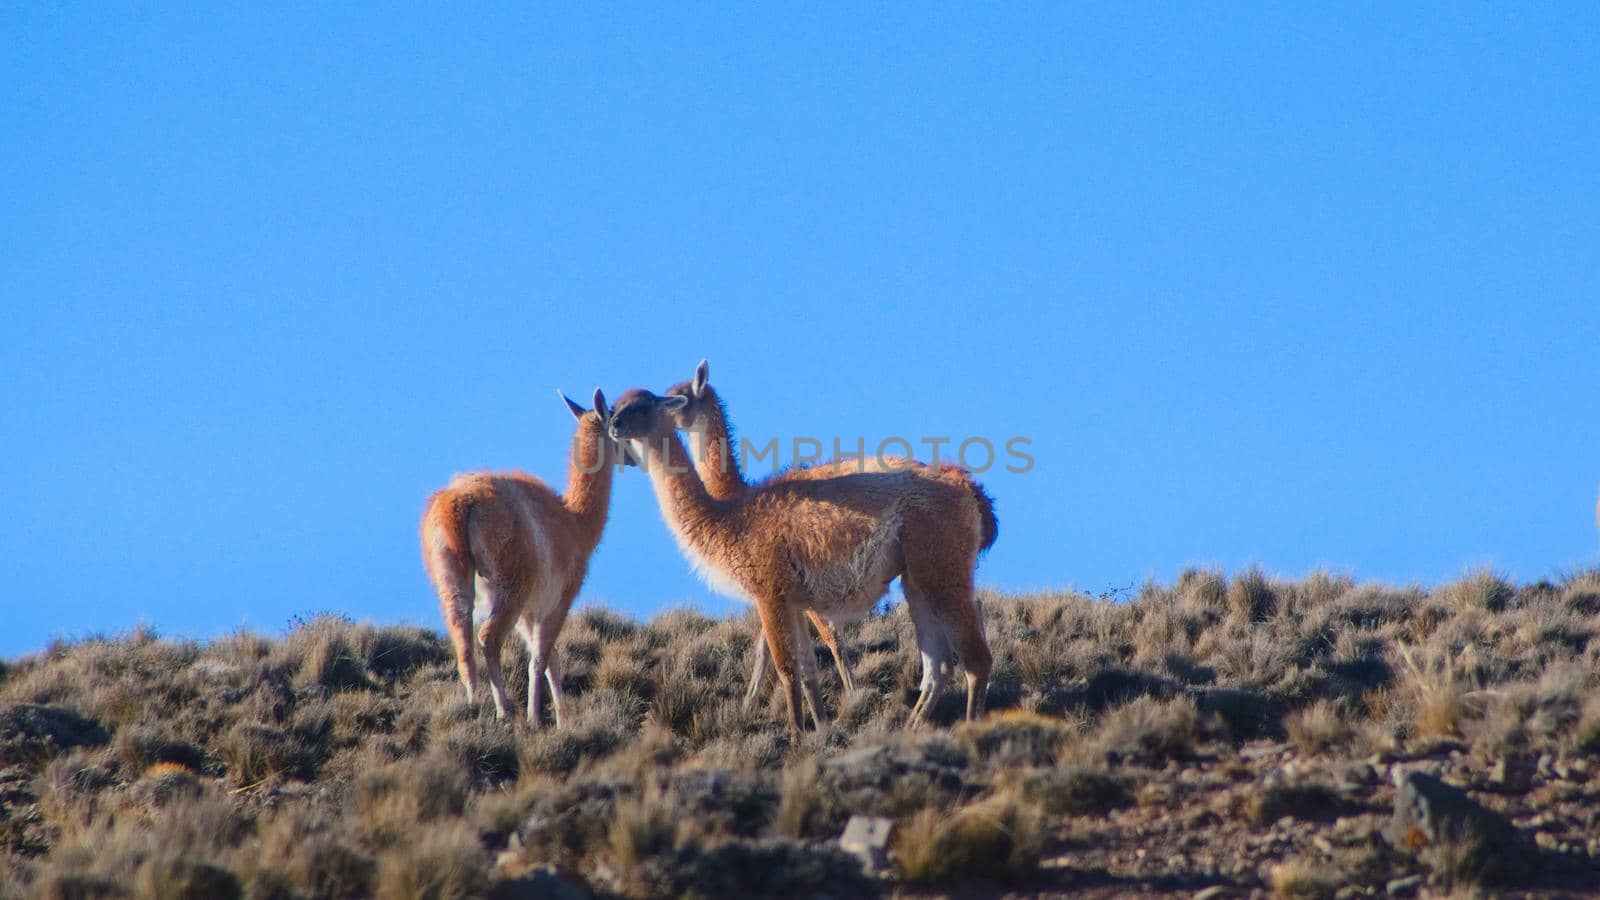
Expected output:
(1285, 287)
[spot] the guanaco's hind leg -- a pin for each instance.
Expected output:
(940, 568)
(809, 682)
(491, 638)
(758, 674)
(830, 637)
(543, 665)
(964, 626)
(934, 644)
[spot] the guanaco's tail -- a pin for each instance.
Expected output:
(989, 526)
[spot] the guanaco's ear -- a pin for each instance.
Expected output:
(702, 375)
(600, 407)
(577, 411)
(672, 402)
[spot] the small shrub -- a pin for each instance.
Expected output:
(1296, 880)
(642, 827)
(31, 734)
(185, 879)
(1251, 598)
(610, 626)
(254, 753)
(302, 851)
(1001, 839)
(78, 886)
(801, 800)
(1016, 738)
(138, 747)
(1440, 694)
(1586, 736)
(625, 670)
(1309, 801)
(760, 868)
(331, 660)
(1078, 790)
(1202, 589)
(1150, 730)
(70, 789)
(486, 749)
(394, 801)
(1481, 590)
(1318, 728)
(561, 751)
(444, 862)
(394, 653)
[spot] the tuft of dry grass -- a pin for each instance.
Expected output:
(1251, 598)
(444, 861)
(1017, 738)
(1078, 790)
(999, 839)
(1480, 590)
(1319, 728)
(1440, 689)
(1150, 730)
(254, 753)
(1299, 880)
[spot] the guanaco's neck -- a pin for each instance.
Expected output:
(689, 508)
(715, 462)
(589, 474)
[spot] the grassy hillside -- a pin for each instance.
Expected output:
(1236, 735)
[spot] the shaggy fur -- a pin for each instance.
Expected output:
(826, 545)
(706, 416)
(509, 542)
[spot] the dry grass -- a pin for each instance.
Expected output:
(1296, 880)
(998, 839)
(1319, 727)
(340, 760)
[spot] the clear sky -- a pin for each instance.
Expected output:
(1283, 286)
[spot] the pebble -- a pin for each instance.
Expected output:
(1403, 887)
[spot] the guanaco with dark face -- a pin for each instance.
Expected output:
(705, 416)
(828, 545)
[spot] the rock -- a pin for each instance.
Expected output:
(867, 838)
(1403, 887)
(1430, 815)
(1256, 752)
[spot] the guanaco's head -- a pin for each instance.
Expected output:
(598, 421)
(701, 399)
(641, 419)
